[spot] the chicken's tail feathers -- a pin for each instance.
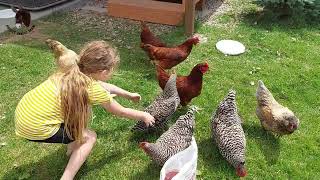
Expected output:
(231, 95)
(263, 94)
(262, 88)
(228, 101)
(261, 84)
(194, 108)
(53, 43)
(173, 77)
(170, 88)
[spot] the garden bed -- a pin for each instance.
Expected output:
(170, 12)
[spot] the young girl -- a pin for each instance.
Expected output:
(58, 110)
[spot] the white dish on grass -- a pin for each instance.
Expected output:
(7, 14)
(230, 47)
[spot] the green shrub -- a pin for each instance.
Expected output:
(309, 8)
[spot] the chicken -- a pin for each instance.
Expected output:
(64, 57)
(147, 37)
(188, 86)
(168, 57)
(228, 133)
(23, 17)
(162, 107)
(177, 138)
(273, 116)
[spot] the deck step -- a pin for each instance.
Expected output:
(147, 10)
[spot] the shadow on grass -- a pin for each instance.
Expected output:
(213, 160)
(152, 172)
(97, 165)
(49, 167)
(267, 142)
(53, 165)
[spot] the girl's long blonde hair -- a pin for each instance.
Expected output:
(75, 104)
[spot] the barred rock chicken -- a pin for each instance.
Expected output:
(147, 37)
(162, 108)
(228, 133)
(64, 57)
(273, 116)
(176, 139)
(168, 57)
(188, 86)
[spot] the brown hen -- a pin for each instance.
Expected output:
(168, 57)
(147, 37)
(188, 86)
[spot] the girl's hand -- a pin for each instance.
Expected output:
(135, 97)
(148, 119)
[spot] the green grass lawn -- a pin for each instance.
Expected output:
(288, 54)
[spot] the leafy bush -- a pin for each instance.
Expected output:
(298, 7)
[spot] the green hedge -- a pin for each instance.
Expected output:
(293, 7)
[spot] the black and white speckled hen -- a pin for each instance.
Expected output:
(228, 133)
(177, 138)
(162, 107)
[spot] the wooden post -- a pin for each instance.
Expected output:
(189, 17)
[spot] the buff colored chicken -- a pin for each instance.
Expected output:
(273, 116)
(64, 57)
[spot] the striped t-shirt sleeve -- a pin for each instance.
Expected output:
(97, 94)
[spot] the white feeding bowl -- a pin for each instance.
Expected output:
(230, 47)
(7, 13)
(7, 17)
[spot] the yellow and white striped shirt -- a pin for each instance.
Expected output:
(38, 114)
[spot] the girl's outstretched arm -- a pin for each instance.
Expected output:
(121, 92)
(115, 108)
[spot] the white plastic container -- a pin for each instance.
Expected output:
(7, 17)
(183, 165)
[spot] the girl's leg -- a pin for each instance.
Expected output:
(79, 155)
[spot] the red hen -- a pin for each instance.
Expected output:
(147, 37)
(168, 57)
(188, 86)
